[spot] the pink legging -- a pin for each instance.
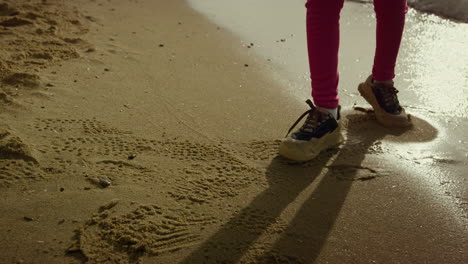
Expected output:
(323, 37)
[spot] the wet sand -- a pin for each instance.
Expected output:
(147, 132)
(451, 9)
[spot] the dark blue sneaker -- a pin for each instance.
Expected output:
(384, 100)
(320, 131)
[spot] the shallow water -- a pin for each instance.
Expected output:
(452, 9)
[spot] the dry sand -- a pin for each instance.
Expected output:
(138, 131)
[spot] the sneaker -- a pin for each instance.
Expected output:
(384, 100)
(320, 131)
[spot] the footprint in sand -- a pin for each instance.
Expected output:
(16, 160)
(146, 229)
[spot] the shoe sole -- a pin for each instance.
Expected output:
(384, 118)
(299, 150)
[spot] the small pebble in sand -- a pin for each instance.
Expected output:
(283, 40)
(62, 189)
(91, 50)
(246, 65)
(104, 181)
(50, 85)
(106, 69)
(161, 45)
(27, 218)
(131, 156)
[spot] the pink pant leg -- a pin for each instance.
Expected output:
(390, 23)
(323, 36)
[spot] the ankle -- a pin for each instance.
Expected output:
(332, 111)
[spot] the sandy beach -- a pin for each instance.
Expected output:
(147, 131)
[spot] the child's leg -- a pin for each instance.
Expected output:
(381, 94)
(323, 36)
(390, 23)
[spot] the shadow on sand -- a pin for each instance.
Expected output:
(315, 218)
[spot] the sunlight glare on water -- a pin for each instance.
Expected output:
(436, 62)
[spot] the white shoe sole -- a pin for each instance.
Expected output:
(301, 150)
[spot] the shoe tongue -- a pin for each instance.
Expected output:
(384, 86)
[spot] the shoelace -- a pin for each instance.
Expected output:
(311, 121)
(389, 96)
